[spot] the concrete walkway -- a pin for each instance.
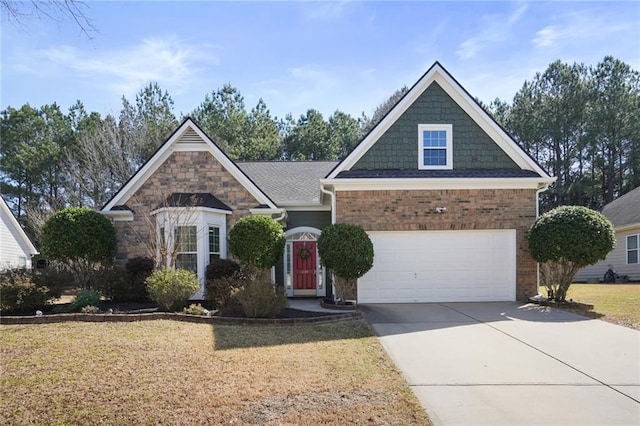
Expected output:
(512, 364)
(313, 305)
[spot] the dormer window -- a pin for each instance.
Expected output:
(435, 146)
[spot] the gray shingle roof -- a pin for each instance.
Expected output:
(194, 199)
(289, 182)
(624, 210)
(456, 173)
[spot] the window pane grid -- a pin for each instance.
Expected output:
(185, 239)
(633, 249)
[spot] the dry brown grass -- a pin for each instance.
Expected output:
(164, 372)
(615, 303)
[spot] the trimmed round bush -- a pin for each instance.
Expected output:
(571, 233)
(347, 250)
(258, 241)
(566, 239)
(171, 288)
(78, 233)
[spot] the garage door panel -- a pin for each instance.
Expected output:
(440, 266)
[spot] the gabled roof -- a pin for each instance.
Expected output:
(624, 210)
(187, 137)
(291, 182)
(436, 73)
(15, 228)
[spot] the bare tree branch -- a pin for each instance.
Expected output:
(55, 10)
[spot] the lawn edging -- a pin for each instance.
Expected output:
(153, 316)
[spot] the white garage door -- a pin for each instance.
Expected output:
(441, 266)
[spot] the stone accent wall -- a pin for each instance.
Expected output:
(197, 171)
(412, 210)
(397, 148)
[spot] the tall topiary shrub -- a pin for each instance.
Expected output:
(79, 238)
(566, 239)
(257, 241)
(347, 250)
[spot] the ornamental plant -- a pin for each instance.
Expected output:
(347, 250)
(80, 239)
(565, 240)
(171, 288)
(257, 241)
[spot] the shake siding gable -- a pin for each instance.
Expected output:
(397, 148)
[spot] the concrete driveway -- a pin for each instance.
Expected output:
(506, 363)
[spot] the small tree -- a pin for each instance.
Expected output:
(257, 241)
(346, 250)
(79, 238)
(566, 239)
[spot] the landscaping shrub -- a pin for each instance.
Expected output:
(348, 251)
(84, 298)
(90, 309)
(565, 240)
(257, 241)
(195, 309)
(171, 288)
(128, 284)
(222, 278)
(261, 299)
(221, 268)
(109, 280)
(79, 238)
(55, 279)
(139, 268)
(18, 291)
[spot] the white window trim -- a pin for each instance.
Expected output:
(448, 128)
(202, 218)
(634, 249)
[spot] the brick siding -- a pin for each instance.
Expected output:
(412, 210)
(195, 171)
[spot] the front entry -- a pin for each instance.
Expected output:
(304, 268)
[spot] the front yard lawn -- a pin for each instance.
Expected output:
(165, 372)
(616, 303)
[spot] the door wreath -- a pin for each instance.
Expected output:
(304, 252)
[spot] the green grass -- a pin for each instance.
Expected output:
(165, 372)
(616, 303)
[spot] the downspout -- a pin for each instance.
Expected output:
(541, 188)
(333, 202)
(333, 221)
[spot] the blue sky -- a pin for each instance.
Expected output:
(299, 55)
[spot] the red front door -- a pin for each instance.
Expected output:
(304, 268)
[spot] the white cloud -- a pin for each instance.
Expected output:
(497, 28)
(168, 61)
(578, 27)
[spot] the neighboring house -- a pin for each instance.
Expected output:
(445, 194)
(624, 214)
(15, 247)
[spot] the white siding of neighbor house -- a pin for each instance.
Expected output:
(617, 258)
(11, 245)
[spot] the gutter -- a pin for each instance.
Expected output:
(333, 202)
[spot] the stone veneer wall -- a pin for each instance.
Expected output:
(413, 210)
(182, 172)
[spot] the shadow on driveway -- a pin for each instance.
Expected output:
(432, 316)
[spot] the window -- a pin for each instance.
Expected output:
(187, 247)
(633, 249)
(435, 146)
(214, 243)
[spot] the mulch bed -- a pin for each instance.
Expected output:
(113, 311)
